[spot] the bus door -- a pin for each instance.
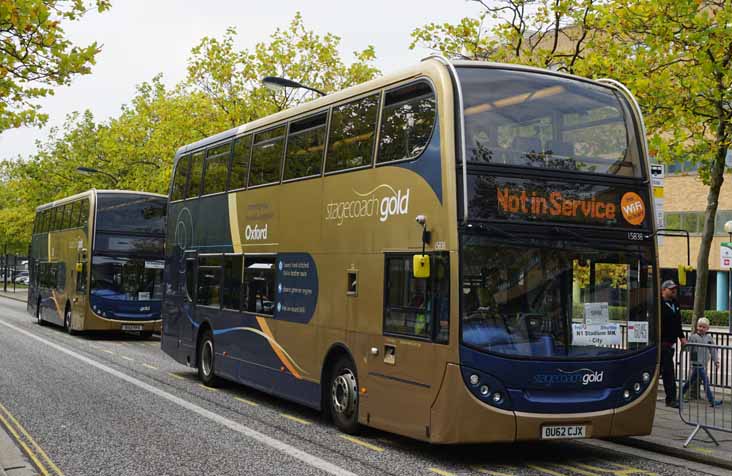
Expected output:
(406, 363)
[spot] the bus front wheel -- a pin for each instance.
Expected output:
(343, 397)
(206, 358)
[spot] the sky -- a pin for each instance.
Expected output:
(142, 38)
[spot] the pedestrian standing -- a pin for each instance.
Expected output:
(671, 331)
(699, 358)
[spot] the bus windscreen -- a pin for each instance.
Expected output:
(518, 118)
(560, 303)
(127, 279)
(128, 213)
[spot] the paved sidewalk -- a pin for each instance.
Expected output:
(20, 294)
(670, 433)
(12, 461)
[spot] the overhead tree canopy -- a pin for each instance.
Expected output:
(36, 56)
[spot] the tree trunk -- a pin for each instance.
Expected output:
(702, 261)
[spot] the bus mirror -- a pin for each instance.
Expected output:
(421, 266)
(79, 267)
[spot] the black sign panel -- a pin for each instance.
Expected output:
(522, 199)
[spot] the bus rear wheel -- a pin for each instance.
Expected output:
(206, 359)
(67, 321)
(343, 396)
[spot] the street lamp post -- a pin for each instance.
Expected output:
(728, 229)
(90, 170)
(276, 83)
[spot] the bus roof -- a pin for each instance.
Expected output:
(89, 192)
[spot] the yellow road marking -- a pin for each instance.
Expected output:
(149, 366)
(210, 389)
(625, 471)
(545, 470)
(38, 448)
(127, 358)
(441, 472)
(176, 376)
(294, 418)
(248, 402)
(359, 441)
(699, 449)
(489, 472)
(577, 470)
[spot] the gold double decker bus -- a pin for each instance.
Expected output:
(458, 252)
(96, 262)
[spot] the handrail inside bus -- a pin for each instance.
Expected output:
(453, 73)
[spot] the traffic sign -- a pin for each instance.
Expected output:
(725, 255)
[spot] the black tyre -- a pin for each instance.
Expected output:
(67, 321)
(343, 395)
(39, 314)
(206, 359)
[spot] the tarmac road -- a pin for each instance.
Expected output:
(116, 405)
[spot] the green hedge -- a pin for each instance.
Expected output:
(716, 318)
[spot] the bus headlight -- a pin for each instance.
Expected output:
(474, 380)
(497, 397)
(637, 387)
(626, 394)
(484, 390)
(646, 377)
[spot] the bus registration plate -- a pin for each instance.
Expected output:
(131, 327)
(555, 432)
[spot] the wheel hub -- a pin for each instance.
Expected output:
(207, 357)
(344, 393)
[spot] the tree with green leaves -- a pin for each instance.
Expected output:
(35, 55)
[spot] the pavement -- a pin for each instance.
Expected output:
(20, 294)
(12, 461)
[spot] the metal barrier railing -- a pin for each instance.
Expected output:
(702, 404)
(723, 379)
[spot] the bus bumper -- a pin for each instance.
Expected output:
(459, 417)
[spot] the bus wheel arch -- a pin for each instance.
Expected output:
(206, 356)
(339, 388)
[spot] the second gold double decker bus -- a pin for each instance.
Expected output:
(96, 262)
(460, 252)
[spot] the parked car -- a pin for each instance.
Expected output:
(22, 280)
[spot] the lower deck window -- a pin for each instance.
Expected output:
(259, 284)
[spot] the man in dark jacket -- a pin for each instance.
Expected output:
(670, 331)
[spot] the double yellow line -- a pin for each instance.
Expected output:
(39, 457)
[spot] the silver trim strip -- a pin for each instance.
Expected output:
(453, 73)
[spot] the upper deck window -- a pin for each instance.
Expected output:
(406, 122)
(305, 146)
(196, 173)
(539, 120)
(352, 128)
(267, 156)
(181, 179)
(217, 168)
(126, 212)
(240, 163)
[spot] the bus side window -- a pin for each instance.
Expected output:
(240, 163)
(417, 307)
(406, 122)
(269, 147)
(209, 281)
(352, 130)
(232, 282)
(305, 147)
(216, 169)
(84, 218)
(181, 179)
(75, 207)
(196, 173)
(259, 285)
